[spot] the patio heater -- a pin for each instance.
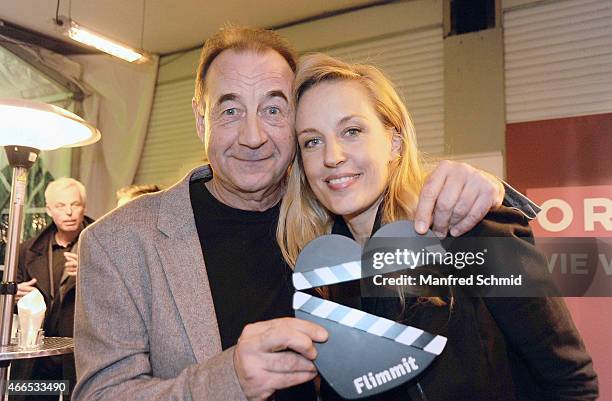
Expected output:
(26, 128)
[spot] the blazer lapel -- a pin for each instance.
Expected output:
(183, 263)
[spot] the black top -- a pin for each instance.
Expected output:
(502, 349)
(249, 280)
(59, 261)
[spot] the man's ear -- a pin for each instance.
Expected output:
(396, 143)
(199, 118)
(48, 209)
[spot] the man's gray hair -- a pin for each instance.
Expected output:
(66, 182)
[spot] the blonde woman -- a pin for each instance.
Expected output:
(358, 167)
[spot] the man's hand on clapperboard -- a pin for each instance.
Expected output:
(276, 354)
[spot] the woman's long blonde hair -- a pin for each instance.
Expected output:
(302, 217)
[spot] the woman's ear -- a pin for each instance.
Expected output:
(396, 143)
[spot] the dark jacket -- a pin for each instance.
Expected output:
(34, 263)
(59, 318)
(499, 349)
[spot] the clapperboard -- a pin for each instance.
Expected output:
(365, 354)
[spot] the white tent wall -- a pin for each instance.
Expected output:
(120, 109)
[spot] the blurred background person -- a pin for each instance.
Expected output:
(126, 194)
(49, 262)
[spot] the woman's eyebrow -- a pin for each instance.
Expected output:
(348, 118)
(307, 131)
(340, 122)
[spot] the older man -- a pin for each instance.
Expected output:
(183, 294)
(49, 263)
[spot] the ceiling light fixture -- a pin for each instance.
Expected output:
(93, 39)
(90, 38)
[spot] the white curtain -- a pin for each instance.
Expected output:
(119, 104)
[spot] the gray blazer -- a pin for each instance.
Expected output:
(145, 324)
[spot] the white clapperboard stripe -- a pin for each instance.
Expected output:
(340, 273)
(327, 275)
(372, 324)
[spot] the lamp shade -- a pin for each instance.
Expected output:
(42, 126)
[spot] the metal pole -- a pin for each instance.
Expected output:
(18, 193)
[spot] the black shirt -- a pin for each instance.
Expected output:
(249, 279)
(58, 262)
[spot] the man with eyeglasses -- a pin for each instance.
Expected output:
(49, 262)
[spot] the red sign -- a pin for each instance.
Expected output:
(584, 211)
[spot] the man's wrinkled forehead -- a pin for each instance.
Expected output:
(248, 71)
